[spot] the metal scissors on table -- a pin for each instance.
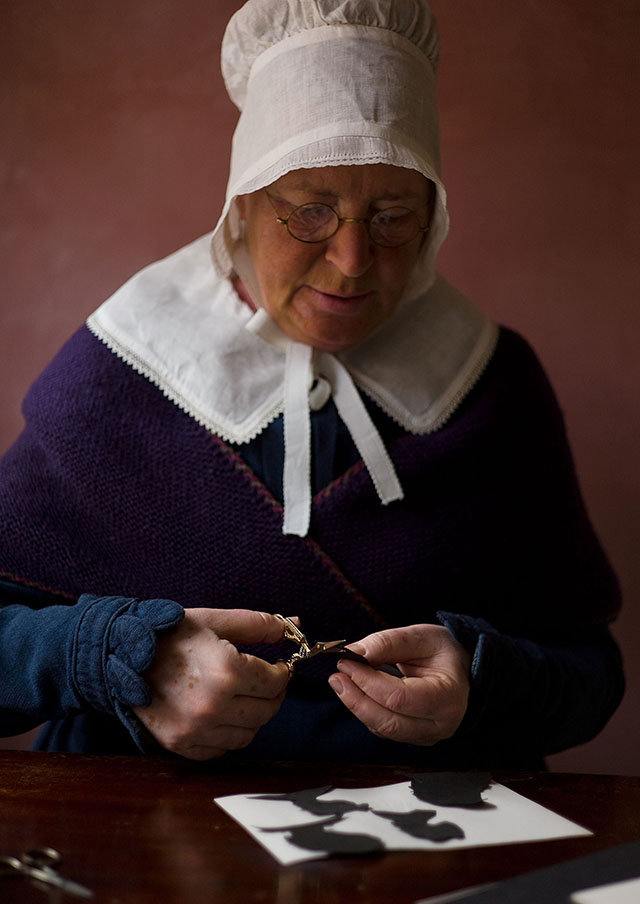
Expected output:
(305, 651)
(41, 865)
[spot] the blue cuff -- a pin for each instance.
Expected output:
(474, 635)
(115, 644)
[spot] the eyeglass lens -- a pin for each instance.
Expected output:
(391, 227)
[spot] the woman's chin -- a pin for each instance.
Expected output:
(333, 328)
(330, 336)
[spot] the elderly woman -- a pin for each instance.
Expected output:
(315, 424)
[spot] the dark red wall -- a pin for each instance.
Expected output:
(115, 141)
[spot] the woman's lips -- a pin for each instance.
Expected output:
(343, 303)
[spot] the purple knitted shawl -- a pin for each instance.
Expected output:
(112, 489)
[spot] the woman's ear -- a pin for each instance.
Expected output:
(240, 206)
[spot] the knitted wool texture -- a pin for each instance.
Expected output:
(112, 489)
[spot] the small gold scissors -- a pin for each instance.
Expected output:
(305, 651)
(41, 865)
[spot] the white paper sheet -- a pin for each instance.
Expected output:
(455, 896)
(510, 818)
(627, 892)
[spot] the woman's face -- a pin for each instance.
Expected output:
(335, 293)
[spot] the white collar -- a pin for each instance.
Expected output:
(185, 329)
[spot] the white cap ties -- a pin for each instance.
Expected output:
(302, 363)
(297, 440)
(362, 429)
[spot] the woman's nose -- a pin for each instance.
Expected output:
(349, 249)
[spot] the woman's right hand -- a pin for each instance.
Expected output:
(206, 696)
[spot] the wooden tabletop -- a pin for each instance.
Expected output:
(142, 830)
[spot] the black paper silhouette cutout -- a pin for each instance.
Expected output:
(446, 789)
(308, 801)
(315, 837)
(416, 823)
(451, 789)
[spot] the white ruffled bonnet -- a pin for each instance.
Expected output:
(330, 82)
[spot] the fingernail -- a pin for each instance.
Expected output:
(336, 684)
(344, 665)
(357, 648)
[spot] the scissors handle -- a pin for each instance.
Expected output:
(42, 857)
(293, 633)
(9, 866)
(40, 865)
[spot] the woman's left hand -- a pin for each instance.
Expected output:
(423, 706)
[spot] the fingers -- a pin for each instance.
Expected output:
(204, 723)
(403, 645)
(216, 744)
(207, 696)
(423, 706)
(243, 626)
(384, 722)
(414, 697)
(201, 752)
(210, 746)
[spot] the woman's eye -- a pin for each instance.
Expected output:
(311, 214)
(311, 221)
(394, 216)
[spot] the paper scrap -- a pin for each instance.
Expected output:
(599, 872)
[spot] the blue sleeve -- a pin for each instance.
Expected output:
(532, 696)
(87, 655)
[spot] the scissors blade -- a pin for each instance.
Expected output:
(326, 646)
(50, 877)
(337, 647)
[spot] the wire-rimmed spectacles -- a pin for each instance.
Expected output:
(317, 222)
